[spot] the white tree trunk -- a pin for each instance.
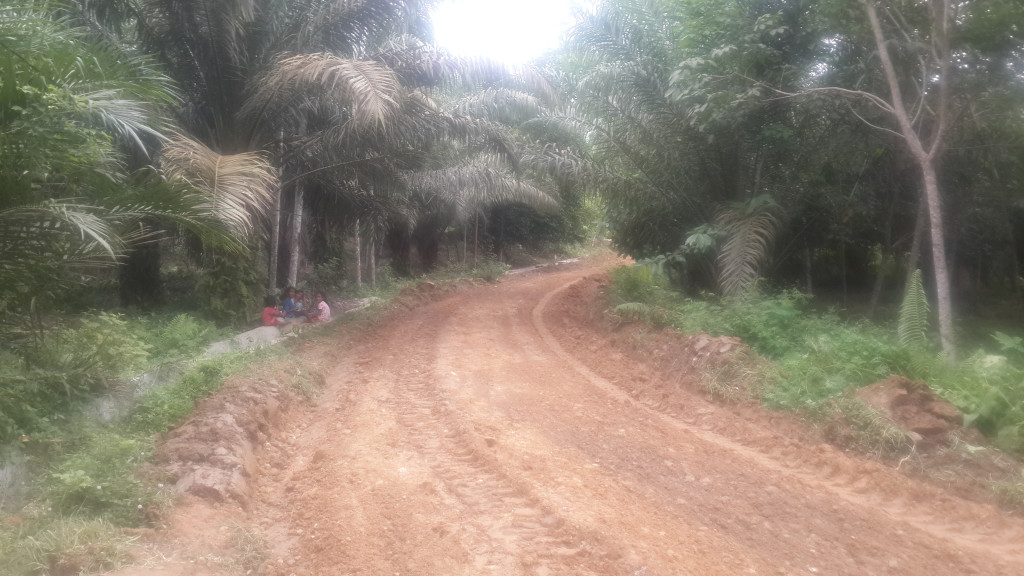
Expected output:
(293, 260)
(925, 155)
(942, 285)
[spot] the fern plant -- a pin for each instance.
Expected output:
(913, 325)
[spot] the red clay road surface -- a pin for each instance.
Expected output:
(490, 433)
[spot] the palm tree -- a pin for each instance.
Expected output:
(71, 110)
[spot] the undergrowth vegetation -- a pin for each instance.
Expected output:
(818, 357)
(89, 478)
(46, 375)
(88, 487)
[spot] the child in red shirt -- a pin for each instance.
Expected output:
(271, 313)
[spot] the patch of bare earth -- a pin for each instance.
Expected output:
(501, 432)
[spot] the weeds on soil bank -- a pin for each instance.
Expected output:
(818, 357)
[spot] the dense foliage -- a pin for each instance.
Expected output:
(700, 110)
(169, 156)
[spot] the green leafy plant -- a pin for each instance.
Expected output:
(230, 290)
(637, 284)
(183, 335)
(913, 323)
(490, 270)
(97, 476)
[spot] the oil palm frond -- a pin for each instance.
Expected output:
(238, 188)
(371, 91)
(483, 181)
(749, 228)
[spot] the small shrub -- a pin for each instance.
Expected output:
(97, 475)
(637, 284)
(1011, 493)
(330, 275)
(230, 290)
(251, 550)
(184, 335)
(69, 364)
(166, 406)
(490, 270)
(100, 347)
(640, 312)
(853, 424)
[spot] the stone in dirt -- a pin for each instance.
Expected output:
(913, 407)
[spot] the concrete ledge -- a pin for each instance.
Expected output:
(246, 340)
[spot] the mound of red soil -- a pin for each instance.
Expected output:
(213, 454)
(914, 408)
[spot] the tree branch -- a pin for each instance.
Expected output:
(875, 126)
(899, 109)
(940, 40)
(834, 90)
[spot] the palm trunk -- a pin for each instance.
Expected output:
(275, 243)
(476, 235)
(359, 258)
(293, 260)
(807, 271)
(373, 262)
(275, 223)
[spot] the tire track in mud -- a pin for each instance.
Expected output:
(868, 485)
(522, 535)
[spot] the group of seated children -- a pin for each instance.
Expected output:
(295, 309)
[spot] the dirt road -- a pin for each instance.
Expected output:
(490, 434)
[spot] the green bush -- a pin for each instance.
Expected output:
(637, 284)
(231, 290)
(490, 270)
(97, 475)
(100, 347)
(66, 366)
(183, 335)
(166, 406)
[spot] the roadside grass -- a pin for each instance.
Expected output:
(90, 485)
(92, 479)
(87, 488)
(817, 358)
(63, 546)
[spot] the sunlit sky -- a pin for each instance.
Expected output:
(513, 31)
